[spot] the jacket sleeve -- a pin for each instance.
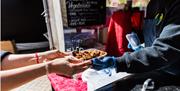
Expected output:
(3, 54)
(164, 51)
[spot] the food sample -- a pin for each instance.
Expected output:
(88, 54)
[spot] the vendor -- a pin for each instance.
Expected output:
(164, 54)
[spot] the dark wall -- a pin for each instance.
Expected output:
(21, 20)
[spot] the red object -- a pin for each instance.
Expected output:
(119, 26)
(61, 83)
(136, 20)
(37, 58)
(122, 23)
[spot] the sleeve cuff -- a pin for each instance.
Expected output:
(4, 54)
(122, 64)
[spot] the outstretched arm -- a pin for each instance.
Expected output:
(164, 54)
(16, 77)
(164, 51)
(64, 66)
(20, 60)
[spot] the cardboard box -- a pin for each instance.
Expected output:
(8, 46)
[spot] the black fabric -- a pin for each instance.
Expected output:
(3, 54)
(22, 21)
(154, 7)
(172, 15)
(164, 54)
(163, 82)
(170, 9)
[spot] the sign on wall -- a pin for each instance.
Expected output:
(85, 12)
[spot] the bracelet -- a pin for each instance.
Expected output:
(37, 58)
(46, 67)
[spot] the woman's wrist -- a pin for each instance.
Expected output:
(39, 57)
(48, 67)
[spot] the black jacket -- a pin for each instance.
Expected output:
(164, 54)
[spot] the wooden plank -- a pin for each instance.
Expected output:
(56, 24)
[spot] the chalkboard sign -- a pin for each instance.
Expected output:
(85, 12)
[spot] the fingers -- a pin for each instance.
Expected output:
(82, 64)
(79, 67)
(61, 54)
(52, 54)
(73, 59)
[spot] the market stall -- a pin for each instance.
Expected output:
(77, 26)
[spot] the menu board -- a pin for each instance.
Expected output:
(85, 12)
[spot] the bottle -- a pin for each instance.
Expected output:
(133, 40)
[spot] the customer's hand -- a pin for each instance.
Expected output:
(52, 54)
(102, 63)
(68, 66)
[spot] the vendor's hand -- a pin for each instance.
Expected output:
(68, 66)
(105, 62)
(135, 49)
